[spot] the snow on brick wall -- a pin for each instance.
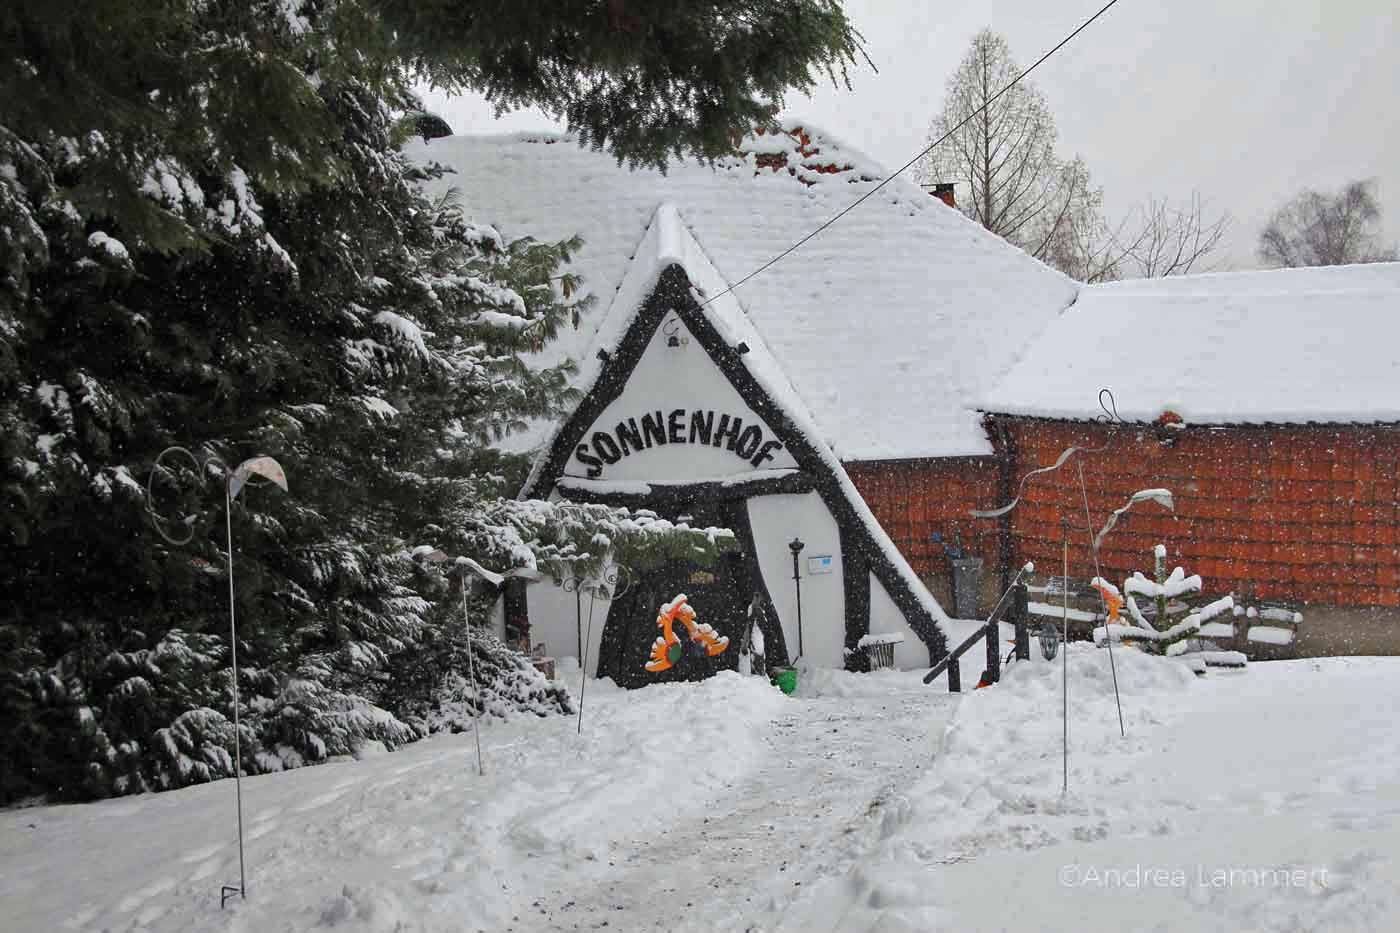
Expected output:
(914, 499)
(1301, 513)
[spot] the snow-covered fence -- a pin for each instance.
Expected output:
(1261, 632)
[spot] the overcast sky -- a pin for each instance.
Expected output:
(1247, 101)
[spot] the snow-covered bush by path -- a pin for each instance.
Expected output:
(507, 684)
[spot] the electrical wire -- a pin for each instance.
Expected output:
(925, 151)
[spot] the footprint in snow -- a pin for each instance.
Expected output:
(199, 855)
(137, 898)
(319, 801)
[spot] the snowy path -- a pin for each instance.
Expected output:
(681, 807)
(830, 764)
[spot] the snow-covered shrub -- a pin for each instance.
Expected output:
(196, 748)
(437, 693)
(310, 722)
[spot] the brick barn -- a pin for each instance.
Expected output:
(1268, 402)
(935, 364)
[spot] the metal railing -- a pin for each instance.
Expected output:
(1013, 602)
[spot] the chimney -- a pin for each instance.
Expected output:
(943, 191)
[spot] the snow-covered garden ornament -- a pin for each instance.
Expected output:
(466, 569)
(614, 580)
(1175, 626)
(234, 482)
(668, 648)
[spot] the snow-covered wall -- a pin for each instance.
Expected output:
(685, 415)
(553, 621)
(777, 520)
(885, 619)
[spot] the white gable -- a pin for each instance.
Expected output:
(679, 419)
(889, 324)
(669, 244)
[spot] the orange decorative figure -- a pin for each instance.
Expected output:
(667, 649)
(1112, 600)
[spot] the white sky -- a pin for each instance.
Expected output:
(1245, 100)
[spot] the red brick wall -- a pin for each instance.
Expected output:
(913, 499)
(1307, 514)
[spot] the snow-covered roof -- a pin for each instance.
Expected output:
(889, 325)
(1278, 346)
(669, 242)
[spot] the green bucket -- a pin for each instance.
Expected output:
(786, 680)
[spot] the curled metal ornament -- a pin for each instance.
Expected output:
(234, 482)
(164, 526)
(615, 580)
(1109, 417)
(572, 584)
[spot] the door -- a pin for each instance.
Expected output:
(719, 595)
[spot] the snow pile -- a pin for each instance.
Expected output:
(828, 682)
(411, 841)
(1270, 635)
(995, 784)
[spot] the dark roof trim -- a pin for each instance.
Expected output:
(673, 294)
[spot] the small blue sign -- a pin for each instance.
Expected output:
(819, 563)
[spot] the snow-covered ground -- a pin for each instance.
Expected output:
(665, 813)
(1266, 799)
(867, 802)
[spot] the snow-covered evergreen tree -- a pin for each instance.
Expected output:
(211, 239)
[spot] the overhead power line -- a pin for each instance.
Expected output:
(923, 152)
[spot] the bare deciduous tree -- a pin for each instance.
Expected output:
(1172, 239)
(1321, 229)
(1019, 188)
(1022, 190)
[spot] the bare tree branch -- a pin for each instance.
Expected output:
(1174, 240)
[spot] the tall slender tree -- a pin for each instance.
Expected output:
(1004, 150)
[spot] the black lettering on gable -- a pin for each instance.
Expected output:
(606, 447)
(595, 466)
(654, 428)
(701, 424)
(748, 442)
(628, 437)
(727, 431)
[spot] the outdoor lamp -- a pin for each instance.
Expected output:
(796, 546)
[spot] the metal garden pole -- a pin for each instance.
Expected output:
(234, 482)
(796, 546)
(1064, 662)
(471, 673)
